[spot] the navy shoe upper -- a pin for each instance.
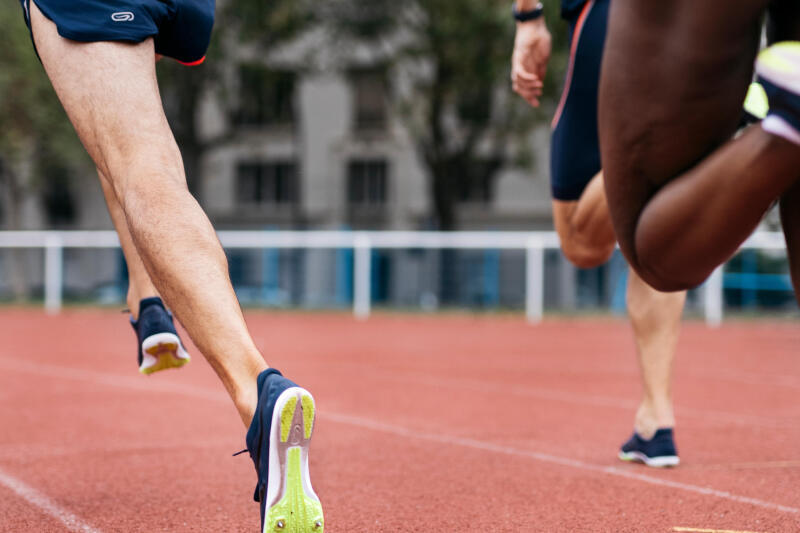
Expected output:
(153, 319)
(661, 445)
(782, 102)
(271, 384)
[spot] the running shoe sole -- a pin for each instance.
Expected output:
(780, 65)
(665, 461)
(292, 506)
(162, 351)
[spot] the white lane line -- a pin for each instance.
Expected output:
(701, 530)
(137, 383)
(738, 466)
(552, 459)
(37, 499)
(719, 418)
(151, 385)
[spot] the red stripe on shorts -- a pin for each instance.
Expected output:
(193, 63)
(576, 37)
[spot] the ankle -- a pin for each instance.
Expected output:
(133, 300)
(246, 400)
(650, 417)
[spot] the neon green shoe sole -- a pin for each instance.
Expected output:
(293, 507)
(780, 64)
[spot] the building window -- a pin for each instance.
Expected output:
(273, 183)
(367, 183)
(370, 100)
(266, 97)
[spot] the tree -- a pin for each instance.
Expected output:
(239, 23)
(37, 141)
(455, 99)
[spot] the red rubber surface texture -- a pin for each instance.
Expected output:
(450, 423)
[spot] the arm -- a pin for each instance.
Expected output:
(531, 54)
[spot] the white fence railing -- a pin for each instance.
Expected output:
(533, 244)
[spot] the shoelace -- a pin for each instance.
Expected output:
(239, 453)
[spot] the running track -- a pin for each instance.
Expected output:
(452, 423)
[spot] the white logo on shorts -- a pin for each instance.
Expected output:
(122, 16)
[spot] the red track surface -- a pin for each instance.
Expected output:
(425, 424)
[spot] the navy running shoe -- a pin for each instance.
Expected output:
(657, 452)
(278, 440)
(159, 345)
(778, 69)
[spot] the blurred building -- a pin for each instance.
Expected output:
(325, 150)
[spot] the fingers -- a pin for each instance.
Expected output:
(527, 85)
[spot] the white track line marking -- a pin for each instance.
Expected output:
(37, 499)
(138, 383)
(552, 459)
(696, 530)
(593, 401)
(739, 466)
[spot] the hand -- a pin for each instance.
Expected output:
(529, 62)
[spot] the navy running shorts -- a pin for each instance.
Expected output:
(181, 29)
(575, 146)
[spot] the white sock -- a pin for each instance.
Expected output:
(778, 126)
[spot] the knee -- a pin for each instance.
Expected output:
(640, 305)
(583, 256)
(129, 162)
(653, 272)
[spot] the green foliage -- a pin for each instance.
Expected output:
(265, 23)
(239, 23)
(32, 121)
(39, 150)
(455, 59)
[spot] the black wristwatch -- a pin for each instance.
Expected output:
(525, 16)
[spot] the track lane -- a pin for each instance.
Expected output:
(170, 438)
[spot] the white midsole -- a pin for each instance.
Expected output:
(788, 81)
(161, 338)
(657, 462)
(274, 483)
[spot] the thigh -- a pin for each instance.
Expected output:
(109, 92)
(674, 77)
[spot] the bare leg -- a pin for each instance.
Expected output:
(727, 195)
(139, 284)
(656, 319)
(110, 93)
(682, 195)
(584, 227)
(587, 239)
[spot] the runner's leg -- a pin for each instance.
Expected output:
(666, 103)
(587, 240)
(110, 93)
(139, 284)
(584, 226)
(656, 320)
(785, 26)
